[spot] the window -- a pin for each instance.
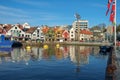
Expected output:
(37, 31)
(34, 34)
(22, 35)
(15, 27)
(19, 35)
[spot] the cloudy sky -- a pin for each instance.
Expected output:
(55, 12)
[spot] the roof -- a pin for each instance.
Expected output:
(85, 32)
(20, 26)
(7, 27)
(31, 30)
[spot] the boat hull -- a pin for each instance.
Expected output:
(6, 44)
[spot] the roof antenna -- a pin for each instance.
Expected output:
(77, 16)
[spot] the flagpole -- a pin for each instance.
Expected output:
(115, 25)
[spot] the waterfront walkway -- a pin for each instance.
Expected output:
(70, 43)
(117, 60)
(113, 66)
(89, 43)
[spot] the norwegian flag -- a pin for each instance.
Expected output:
(112, 15)
(110, 1)
(108, 6)
(113, 5)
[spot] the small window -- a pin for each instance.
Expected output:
(22, 35)
(34, 35)
(15, 27)
(37, 31)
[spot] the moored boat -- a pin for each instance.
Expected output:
(5, 43)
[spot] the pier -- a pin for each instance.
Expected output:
(113, 65)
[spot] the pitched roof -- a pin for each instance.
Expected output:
(31, 30)
(7, 27)
(45, 29)
(85, 32)
(20, 26)
(1, 30)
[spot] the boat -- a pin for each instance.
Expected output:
(5, 43)
(17, 44)
(6, 49)
(105, 49)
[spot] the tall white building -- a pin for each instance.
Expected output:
(80, 24)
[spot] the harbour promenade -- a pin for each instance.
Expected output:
(113, 65)
(68, 43)
(117, 61)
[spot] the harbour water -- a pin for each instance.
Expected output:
(53, 63)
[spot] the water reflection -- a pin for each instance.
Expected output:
(79, 55)
(63, 63)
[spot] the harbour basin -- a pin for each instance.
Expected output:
(54, 63)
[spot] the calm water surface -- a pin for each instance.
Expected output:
(64, 63)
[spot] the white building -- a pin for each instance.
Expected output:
(77, 26)
(26, 25)
(80, 24)
(36, 33)
(72, 34)
(16, 32)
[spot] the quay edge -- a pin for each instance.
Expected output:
(39, 44)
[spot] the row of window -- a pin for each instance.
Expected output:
(82, 25)
(16, 31)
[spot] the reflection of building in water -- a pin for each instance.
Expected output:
(47, 53)
(58, 53)
(65, 51)
(19, 54)
(84, 54)
(72, 54)
(15, 55)
(5, 56)
(95, 50)
(36, 53)
(39, 52)
(79, 54)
